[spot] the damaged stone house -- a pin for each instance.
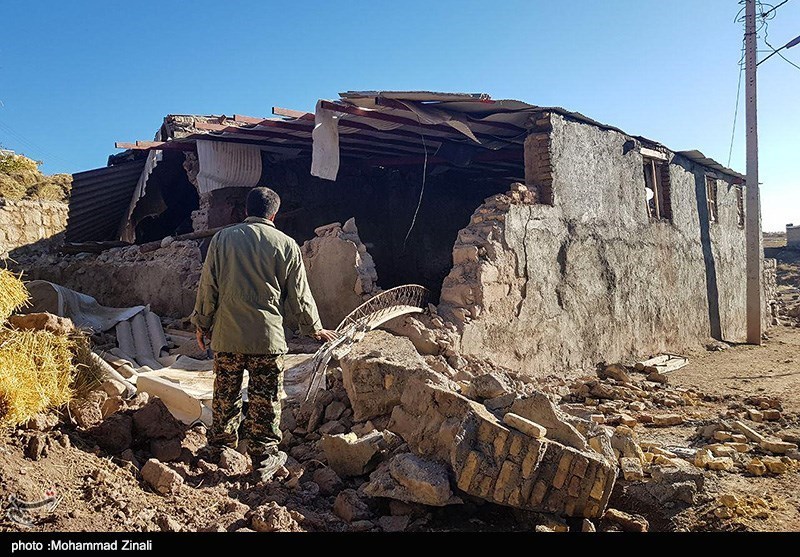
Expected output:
(550, 240)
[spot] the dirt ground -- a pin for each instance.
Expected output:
(94, 491)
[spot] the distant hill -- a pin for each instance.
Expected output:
(20, 179)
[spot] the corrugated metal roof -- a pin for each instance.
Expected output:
(98, 201)
(700, 158)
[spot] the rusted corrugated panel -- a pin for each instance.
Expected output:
(99, 199)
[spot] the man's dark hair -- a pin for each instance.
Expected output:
(262, 202)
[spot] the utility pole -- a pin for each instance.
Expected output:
(753, 206)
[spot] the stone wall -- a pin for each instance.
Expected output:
(167, 278)
(39, 224)
(592, 278)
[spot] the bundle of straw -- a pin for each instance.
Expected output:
(36, 373)
(12, 294)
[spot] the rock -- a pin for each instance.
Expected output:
(624, 441)
(775, 465)
(702, 457)
(739, 438)
(739, 447)
(636, 406)
(361, 526)
(111, 406)
(614, 371)
(777, 447)
(628, 522)
(729, 500)
(42, 422)
(349, 507)
(412, 479)
(724, 512)
(721, 463)
(498, 464)
(233, 462)
(154, 421)
(722, 450)
(113, 388)
(666, 420)
(524, 425)
(350, 455)
(486, 386)
(168, 524)
(790, 437)
(538, 408)
(334, 410)
(86, 413)
(772, 415)
(160, 477)
(375, 372)
(393, 523)
(115, 434)
(631, 469)
(722, 436)
(500, 402)
(36, 447)
(756, 415)
(328, 481)
(756, 467)
(657, 377)
(272, 517)
(747, 431)
(627, 420)
(587, 526)
(166, 450)
(331, 428)
(677, 471)
(61, 326)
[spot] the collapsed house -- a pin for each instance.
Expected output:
(551, 241)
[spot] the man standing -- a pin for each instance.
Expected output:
(251, 272)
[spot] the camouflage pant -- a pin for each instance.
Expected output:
(260, 423)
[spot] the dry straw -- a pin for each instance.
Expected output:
(36, 373)
(12, 294)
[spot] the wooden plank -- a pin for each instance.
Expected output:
(289, 113)
(160, 145)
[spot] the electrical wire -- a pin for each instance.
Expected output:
(422, 190)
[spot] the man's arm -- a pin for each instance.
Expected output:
(300, 300)
(207, 295)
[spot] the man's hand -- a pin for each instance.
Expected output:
(326, 335)
(202, 338)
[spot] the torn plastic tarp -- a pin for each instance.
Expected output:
(83, 310)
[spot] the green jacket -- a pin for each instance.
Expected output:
(251, 272)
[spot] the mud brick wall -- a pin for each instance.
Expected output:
(558, 288)
(37, 224)
(166, 278)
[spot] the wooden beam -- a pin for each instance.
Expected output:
(289, 113)
(159, 145)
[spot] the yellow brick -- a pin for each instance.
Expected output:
(485, 488)
(506, 480)
(500, 443)
(530, 460)
(515, 499)
(538, 493)
(563, 470)
(516, 445)
(581, 464)
(486, 432)
(471, 464)
(574, 487)
(599, 486)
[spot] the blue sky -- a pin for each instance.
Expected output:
(77, 76)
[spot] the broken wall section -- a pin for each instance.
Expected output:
(38, 224)
(559, 288)
(166, 278)
(341, 273)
